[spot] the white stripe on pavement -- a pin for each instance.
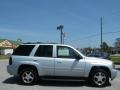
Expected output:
(4, 60)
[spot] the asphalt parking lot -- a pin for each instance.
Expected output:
(8, 82)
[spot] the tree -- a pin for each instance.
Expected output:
(117, 43)
(19, 40)
(105, 47)
(88, 50)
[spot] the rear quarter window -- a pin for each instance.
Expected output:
(23, 50)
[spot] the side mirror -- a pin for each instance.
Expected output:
(78, 57)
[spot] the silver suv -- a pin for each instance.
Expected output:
(57, 61)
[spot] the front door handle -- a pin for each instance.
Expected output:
(59, 62)
(35, 60)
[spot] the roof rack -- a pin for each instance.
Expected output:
(39, 43)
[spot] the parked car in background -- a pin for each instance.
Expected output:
(103, 55)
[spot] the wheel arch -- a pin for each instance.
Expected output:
(99, 68)
(24, 66)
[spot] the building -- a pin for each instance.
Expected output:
(115, 51)
(7, 46)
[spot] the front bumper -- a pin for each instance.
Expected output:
(113, 73)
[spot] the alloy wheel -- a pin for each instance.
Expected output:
(27, 77)
(99, 78)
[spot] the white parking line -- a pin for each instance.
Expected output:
(4, 60)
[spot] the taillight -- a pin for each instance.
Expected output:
(10, 61)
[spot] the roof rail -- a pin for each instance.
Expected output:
(39, 43)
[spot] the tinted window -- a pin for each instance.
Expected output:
(23, 50)
(66, 52)
(44, 51)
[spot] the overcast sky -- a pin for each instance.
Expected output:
(37, 20)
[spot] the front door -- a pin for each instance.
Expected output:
(66, 63)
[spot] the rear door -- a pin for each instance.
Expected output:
(44, 56)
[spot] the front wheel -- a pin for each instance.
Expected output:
(99, 78)
(28, 76)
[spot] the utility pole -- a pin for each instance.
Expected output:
(61, 33)
(101, 23)
(63, 37)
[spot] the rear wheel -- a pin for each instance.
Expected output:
(28, 76)
(99, 78)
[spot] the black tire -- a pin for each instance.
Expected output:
(28, 76)
(99, 78)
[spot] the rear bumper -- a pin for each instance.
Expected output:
(113, 73)
(11, 70)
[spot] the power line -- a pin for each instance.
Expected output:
(94, 35)
(111, 32)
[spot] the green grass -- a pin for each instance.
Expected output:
(115, 59)
(3, 57)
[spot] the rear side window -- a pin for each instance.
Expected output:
(23, 50)
(44, 51)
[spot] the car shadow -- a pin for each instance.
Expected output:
(16, 80)
(62, 83)
(12, 80)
